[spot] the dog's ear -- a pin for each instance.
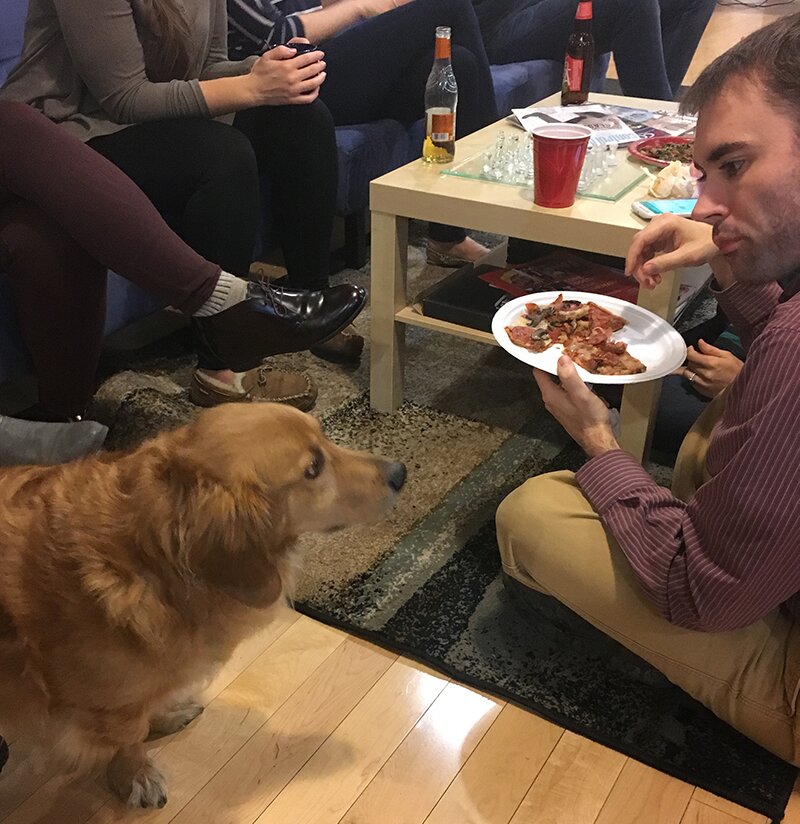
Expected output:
(230, 537)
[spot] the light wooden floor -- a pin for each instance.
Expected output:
(307, 725)
(310, 726)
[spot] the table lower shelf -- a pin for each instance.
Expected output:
(410, 316)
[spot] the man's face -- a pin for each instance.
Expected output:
(749, 154)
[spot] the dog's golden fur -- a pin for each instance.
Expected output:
(126, 578)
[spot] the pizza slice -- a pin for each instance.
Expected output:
(583, 329)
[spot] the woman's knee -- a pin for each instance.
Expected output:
(27, 234)
(308, 120)
(231, 154)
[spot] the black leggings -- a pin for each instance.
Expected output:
(203, 175)
(378, 69)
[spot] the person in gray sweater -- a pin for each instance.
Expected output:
(147, 83)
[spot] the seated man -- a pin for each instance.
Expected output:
(704, 588)
(653, 41)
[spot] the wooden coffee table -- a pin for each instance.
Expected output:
(420, 191)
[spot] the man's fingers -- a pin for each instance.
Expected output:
(552, 393)
(544, 381)
(639, 252)
(708, 349)
(569, 377)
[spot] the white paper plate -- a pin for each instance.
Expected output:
(650, 338)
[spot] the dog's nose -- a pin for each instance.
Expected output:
(396, 476)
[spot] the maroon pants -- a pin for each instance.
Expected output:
(66, 216)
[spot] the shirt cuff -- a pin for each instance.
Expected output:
(610, 477)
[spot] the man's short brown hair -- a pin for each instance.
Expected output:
(769, 56)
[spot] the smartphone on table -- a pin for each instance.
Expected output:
(647, 209)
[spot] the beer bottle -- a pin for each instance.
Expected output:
(441, 96)
(580, 57)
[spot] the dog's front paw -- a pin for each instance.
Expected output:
(149, 788)
(174, 719)
(137, 782)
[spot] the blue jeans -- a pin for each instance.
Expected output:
(653, 41)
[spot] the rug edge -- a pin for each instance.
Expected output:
(775, 814)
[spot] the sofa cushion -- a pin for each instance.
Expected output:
(520, 84)
(11, 33)
(366, 151)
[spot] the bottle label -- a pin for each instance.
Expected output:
(441, 49)
(443, 127)
(584, 11)
(573, 73)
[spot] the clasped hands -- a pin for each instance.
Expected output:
(668, 242)
(282, 77)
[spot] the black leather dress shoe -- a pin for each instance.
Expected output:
(273, 320)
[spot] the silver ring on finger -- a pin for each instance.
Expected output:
(689, 375)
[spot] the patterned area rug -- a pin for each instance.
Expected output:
(427, 580)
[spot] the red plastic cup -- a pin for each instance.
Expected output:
(558, 155)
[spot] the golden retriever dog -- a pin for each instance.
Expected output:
(126, 578)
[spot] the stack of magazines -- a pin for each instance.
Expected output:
(609, 124)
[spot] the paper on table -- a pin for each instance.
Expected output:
(610, 123)
(606, 127)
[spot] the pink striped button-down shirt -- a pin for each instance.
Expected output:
(732, 554)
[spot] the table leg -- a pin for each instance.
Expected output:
(640, 400)
(388, 294)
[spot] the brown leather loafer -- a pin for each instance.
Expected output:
(346, 346)
(264, 384)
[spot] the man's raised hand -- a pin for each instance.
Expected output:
(668, 242)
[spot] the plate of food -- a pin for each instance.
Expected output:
(610, 340)
(661, 151)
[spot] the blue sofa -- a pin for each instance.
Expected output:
(365, 151)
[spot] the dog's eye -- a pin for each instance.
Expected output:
(315, 467)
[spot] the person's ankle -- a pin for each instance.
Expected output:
(467, 248)
(225, 380)
(229, 291)
(221, 375)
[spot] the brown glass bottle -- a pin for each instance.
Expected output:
(579, 58)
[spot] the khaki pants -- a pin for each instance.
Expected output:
(553, 541)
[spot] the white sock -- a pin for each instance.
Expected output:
(229, 291)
